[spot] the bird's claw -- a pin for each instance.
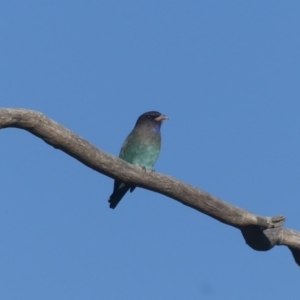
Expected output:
(146, 170)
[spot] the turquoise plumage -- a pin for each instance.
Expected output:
(141, 148)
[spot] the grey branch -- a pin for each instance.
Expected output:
(260, 233)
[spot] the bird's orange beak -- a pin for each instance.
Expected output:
(161, 118)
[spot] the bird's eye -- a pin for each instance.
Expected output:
(149, 117)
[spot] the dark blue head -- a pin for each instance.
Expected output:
(152, 119)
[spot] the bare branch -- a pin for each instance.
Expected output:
(260, 233)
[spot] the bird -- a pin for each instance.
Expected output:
(140, 148)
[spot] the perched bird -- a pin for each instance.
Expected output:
(141, 148)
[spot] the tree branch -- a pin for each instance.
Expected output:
(260, 233)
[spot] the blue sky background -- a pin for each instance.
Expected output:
(227, 75)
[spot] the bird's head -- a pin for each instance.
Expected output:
(151, 117)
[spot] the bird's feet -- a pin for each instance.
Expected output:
(147, 170)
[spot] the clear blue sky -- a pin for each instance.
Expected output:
(227, 75)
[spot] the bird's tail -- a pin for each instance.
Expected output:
(117, 195)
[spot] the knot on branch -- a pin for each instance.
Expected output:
(259, 239)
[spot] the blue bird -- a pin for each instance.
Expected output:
(141, 148)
